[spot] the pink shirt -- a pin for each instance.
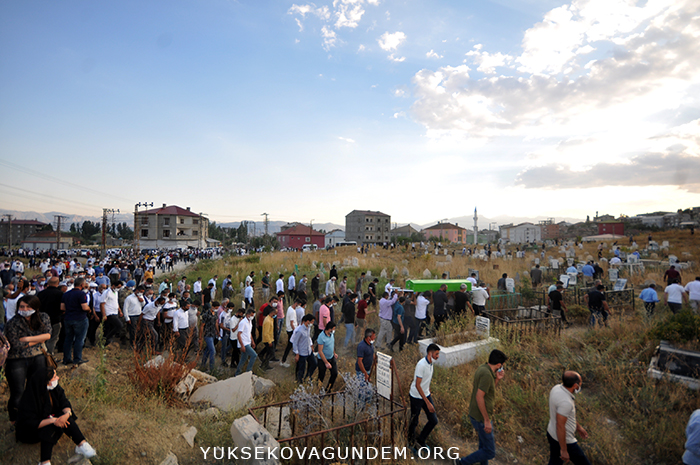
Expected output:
(323, 313)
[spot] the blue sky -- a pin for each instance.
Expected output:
(421, 109)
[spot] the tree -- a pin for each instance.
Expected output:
(89, 229)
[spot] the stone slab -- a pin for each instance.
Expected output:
(228, 395)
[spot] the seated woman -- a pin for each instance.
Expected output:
(45, 414)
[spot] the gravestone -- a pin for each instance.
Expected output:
(517, 277)
(664, 244)
(537, 261)
(510, 285)
(369, 273)
(564, 279)
(672, 259)
(346, 262)
(355, 261)
(383, 274)
(395, 272)
(620, 284)
(483, 326)
(569, 261)
(427, 274)
(613, 274)
(404, 271)
(573, 278)
(554, 264)
(448, 258)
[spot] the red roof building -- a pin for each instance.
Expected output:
(611, 227)
(298, 236)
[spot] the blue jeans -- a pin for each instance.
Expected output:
(349, 333)
(76, 330)
(249, 354)
(487, 446)
(224, 348)
(209, 352)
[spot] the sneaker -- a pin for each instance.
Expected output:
(274, 360)
(286, 365)
(80, 362)
(85, 450)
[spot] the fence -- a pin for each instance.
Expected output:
(517, 321)
(347, 420)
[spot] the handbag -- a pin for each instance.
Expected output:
(50, 361)
(4, 349)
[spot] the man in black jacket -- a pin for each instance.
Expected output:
(51, 305)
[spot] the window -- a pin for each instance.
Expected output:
(166, 233)
(182, 221)
(195, 233)
(166, 221)
(144, 233)
(308, 239)
(195, 221)
(144, 221)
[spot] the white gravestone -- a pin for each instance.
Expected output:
(483, 326)
(384, 375)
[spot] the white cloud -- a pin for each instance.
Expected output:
(486, 61)
(399, 114)
(329, 38)
(390, 41)
(399, 93)
(347, 139)
(432, 54)
(347, 14)
(396, 59)
(303, 10)
(301, 26)
(361, 48)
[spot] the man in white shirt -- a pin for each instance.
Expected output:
(181, 328)
(11, 302)
(213, 280)
(292, 286)
(245, 342)
(562, 426)
(674, 296)
(330, 286)
(389, 286)
(132, 312)
(197, 288)
(248, 295)
(472, 279)
(480, 295)
(148, 334)
(421, 302)
(279, 284)
(420, 397)
(693, 290)
(290, 322)
(111, 313)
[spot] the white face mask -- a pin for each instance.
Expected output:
(274, 305)
(250, 318)
(371, 342)
(577, 390)
(52, 385)
(26, 313)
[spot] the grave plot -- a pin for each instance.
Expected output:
(523, 320)
(677, 365)
(459, 348)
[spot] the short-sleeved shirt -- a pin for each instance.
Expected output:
(649, 295)
(398, 310)
(561, 402)
(675, 293)
(693, 290)
(73, 301)
(323, 313)
(555, 297)
(424, 371)
(422, 307)
(595, 300)
(439, 301)
(484, 379)
(209, 323)
(244, 329)
(361, 307)
(291, 317)
(366, 352)
(328, 343)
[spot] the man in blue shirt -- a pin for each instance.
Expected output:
(692, 443)
(327, 356)
(397, 323)
(301, 345)
(649, 297)
(588, 270)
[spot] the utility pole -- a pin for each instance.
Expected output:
(105, 211)
(265, 215)
(9, 230)
(201, 228)
(311, 225)
(58, 231)
(476, 228)
(137, 233)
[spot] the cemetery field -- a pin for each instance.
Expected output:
(630, 417)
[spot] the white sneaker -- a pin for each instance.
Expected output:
(85, 450)
(286, 365)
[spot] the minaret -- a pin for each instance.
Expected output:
(476, 228)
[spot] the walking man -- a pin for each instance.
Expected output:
(421, 398)
(649, 297)
(562, 426)
(486, 379)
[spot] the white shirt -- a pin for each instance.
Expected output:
(330, 287)
(561, 402)
(675, 293)
(150, 311)
(110, 299)
(473, 281)
(615, 261)
(387, 288)
(233, 322)
(693, 289)
(192, 316)
(212, 281)
(279, 285)
(180, 320)
(291, 283)
(169, 311)
(133, 306)
(291, 317)
(301, 311)
(11, 307)
(479, 296)
(248, 293)
(421, 307)
(424, 371)
(248, 279)
(197, 287)
(244, 329)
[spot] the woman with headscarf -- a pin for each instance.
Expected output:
(45, 414)
(26, 332)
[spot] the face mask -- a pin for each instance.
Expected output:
(26, 313)
(577, 390)
(371, 342)
(332, 333)
(86, 290)
(357, 300)
(274, 305)
(250, 318)
(41, 283)
(140, 294)
(52, 385)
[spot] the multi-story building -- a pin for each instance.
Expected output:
(367, 227)
(333, 237)
(446, 232)
(550, 229)
(171, 227)
(18, 230)
(522, 233)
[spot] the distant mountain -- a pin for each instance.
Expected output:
(49, 217)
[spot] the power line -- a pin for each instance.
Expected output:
(58, 180)
(44, 197)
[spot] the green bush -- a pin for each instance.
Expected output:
(681, 327)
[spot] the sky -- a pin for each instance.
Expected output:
(306, 111)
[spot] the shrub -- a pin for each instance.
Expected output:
(681, 327)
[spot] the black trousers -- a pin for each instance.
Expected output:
(92, 328)
(289, 346)
(322, 372)
(113, 326)
(18, 371)
(576, 454)
(416, 406)
(398, 336)
(49, 436)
